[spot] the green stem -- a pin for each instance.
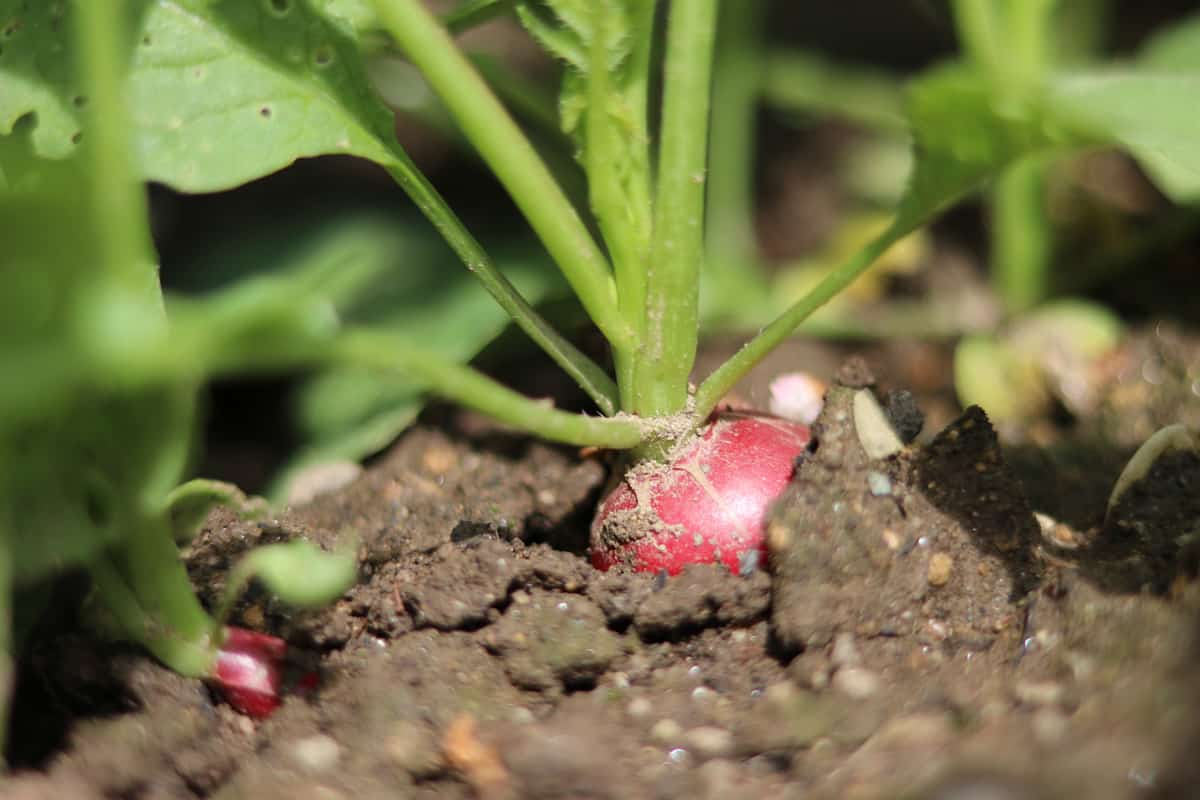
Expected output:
(469, 388)
(118, 202)
(979, 33)
(718, 384)
(1021, 239)
(152, 600)
(619, 197)
(1028, 38)
(733, 279)
(813, 86)
(489, 127)
(677, 248)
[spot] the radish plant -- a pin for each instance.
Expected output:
(97, 410)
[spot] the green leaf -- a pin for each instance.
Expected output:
(1174, 48)
(964, 136)
(82, 478)
(221, 92)
(989, 373)
(37, 75)
(297, 572)
(1149, 113)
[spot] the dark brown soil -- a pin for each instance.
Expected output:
(921, 633)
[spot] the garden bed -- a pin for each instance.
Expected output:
(921, 632)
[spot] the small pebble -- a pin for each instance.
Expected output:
(718, 779)
(710, 741)
(1050, 726)
(879, 484)
(703, 694)
(414, 749)
(845, 651)
(940, 567)
(927, 730)
(797, 396)
(639, 707)
(875, 432)
(678, 755)
(315, 753)
(856, 682)
(320, 479)
(748, 563)
(666, 731)
(1039, 693)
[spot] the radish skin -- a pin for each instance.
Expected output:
(249, 671)
(708, 504)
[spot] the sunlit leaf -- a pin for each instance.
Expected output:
(221, 92)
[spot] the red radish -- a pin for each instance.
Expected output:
(707, 505)
(249, 669)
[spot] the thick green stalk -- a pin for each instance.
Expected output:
(617, 166)
(1021, 241)
(117, 202)
(979, 32)
(491, 130)
(474, 390)
(677, 248)
(149, 594)
(153, 598)
(1028, 35)
(718, 384)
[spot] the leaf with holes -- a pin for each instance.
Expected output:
(38, 90)
(221, 93)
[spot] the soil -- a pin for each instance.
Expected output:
(921, 633)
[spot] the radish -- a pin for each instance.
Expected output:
(707, 504)
(249, 672)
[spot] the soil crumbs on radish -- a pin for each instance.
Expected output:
(922, 633)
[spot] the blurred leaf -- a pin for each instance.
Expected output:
(963, 137)
(1151, 114)
(1174, 48)
(189, 504)
(77, 482)
(297, 572)
(1079, 329)
(989, 374)
(811, 84)
(408, 282)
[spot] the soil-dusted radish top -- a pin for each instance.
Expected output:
(707, 504)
